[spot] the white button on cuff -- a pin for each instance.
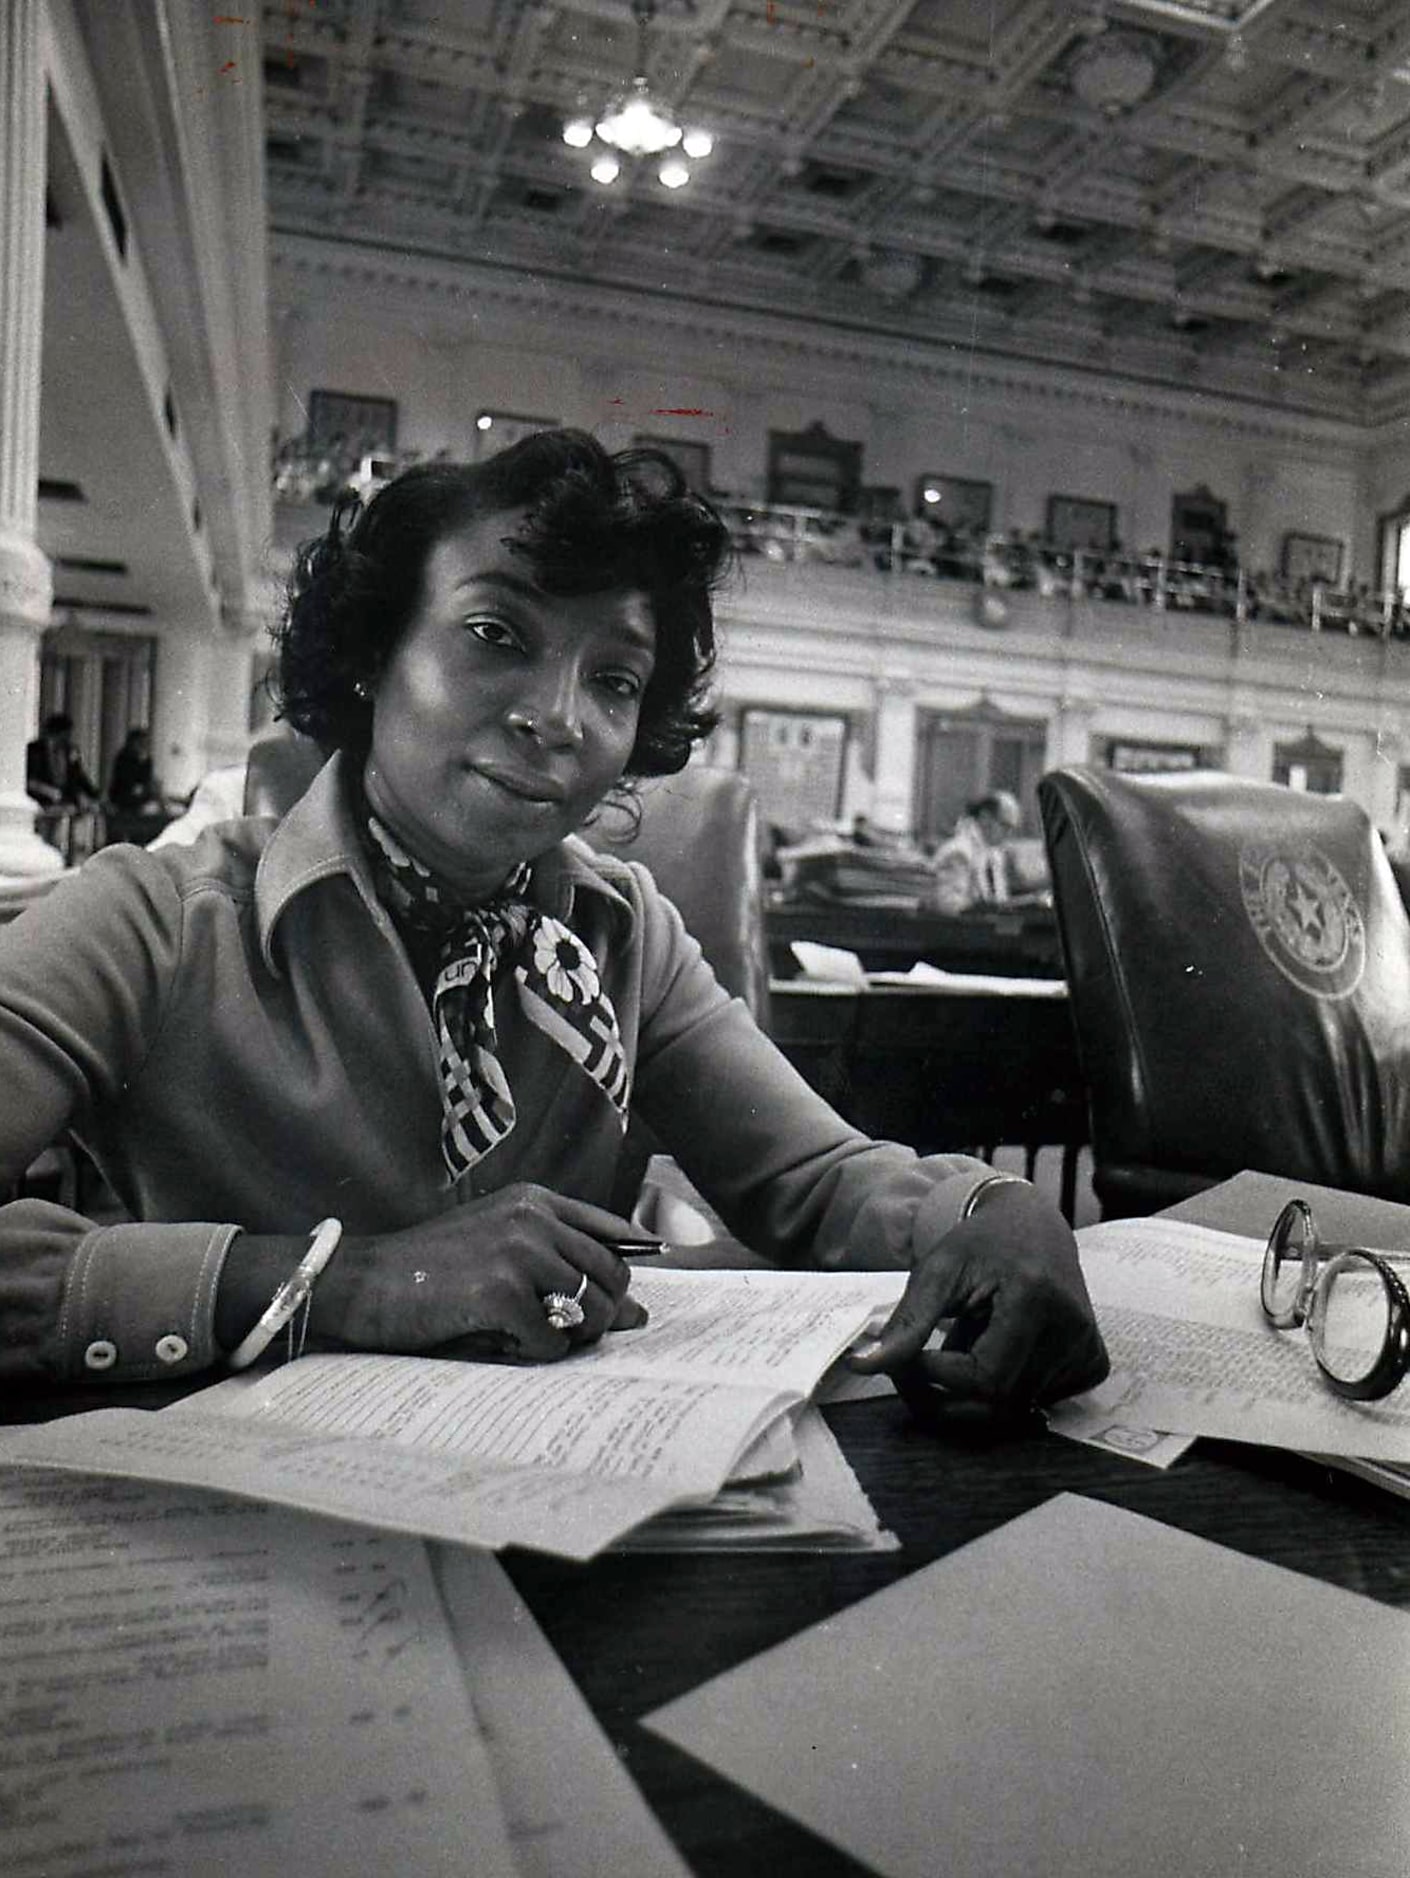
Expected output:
(171, 1348)
(100, 1354)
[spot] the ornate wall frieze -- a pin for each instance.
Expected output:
(593, 314)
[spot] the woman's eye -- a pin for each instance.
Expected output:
(492, 632)
(622, 684)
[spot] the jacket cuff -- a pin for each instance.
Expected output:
(140, 1302)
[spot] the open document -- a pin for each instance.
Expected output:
(565, 1458)
(1192, 1352)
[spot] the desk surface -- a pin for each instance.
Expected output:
(635, 1632)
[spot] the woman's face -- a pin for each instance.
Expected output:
(505, 714)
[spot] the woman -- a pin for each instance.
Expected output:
(419, 1004)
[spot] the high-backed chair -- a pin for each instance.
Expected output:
(1238, 961)
(698, 833)
(278, 769)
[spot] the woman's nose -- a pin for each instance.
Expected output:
(548, 713)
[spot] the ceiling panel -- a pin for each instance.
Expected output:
(1186, 188)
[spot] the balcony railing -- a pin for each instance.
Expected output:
(919, 548)
(1008, 562)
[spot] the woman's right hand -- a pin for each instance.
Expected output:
(471, 1282)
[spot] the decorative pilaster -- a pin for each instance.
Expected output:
(1070, 736)
(26, 586)
(893, 799)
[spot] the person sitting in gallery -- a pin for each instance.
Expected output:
(132, 787)
(53, 769)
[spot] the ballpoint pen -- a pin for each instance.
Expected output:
(625, 1248)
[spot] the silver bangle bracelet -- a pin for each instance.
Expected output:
(291, 1296)
(981, 1190)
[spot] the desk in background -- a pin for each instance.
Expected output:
(1016, 941)
(974, 1063)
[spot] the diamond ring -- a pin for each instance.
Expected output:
(563, 1312)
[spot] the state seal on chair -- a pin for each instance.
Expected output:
(1305, 915)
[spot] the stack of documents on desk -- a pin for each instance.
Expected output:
(566, 1458)
(1192, 1353)
(195, 1684)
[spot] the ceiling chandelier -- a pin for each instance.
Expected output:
(636, 125)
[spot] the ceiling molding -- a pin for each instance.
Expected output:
(513, 308)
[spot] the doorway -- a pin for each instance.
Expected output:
(965, 754)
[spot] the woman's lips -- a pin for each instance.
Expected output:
(528, 787)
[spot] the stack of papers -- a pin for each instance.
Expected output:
(1192, 1353)
(194, 1684)
(567, 1458)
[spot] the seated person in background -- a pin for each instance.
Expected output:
(969, 867)
(420, 1004)
(53, 769)
(132, 788)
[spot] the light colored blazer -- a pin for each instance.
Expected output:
(235, 1031)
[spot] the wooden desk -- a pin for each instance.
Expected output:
(635, 1632)
(966, 1065)
(1019, 941)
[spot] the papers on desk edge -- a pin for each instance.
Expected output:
(1192, 1353)
(646, 1426)
(194, 1683)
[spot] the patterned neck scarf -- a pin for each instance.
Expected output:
(553, 971)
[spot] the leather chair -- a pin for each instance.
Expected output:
(1238, 962)
(698, 834)
(278, 769)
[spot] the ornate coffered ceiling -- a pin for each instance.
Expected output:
(1210, 193)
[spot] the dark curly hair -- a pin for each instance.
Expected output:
(595, 522)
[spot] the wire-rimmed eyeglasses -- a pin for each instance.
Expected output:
(1353, 1303)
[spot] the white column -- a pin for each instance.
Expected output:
(1070, 734)
(893, 799)
(1246, 751)
(26, 586)
(231, 675)
(179, 712)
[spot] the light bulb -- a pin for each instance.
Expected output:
(578, 132)
(484, 421)
(605, 169)
(635, 124)
(674, 175)
(698, 143)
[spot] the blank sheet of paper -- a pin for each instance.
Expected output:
(1083, 1693)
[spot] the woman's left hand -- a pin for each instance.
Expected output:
(1022, 1330)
